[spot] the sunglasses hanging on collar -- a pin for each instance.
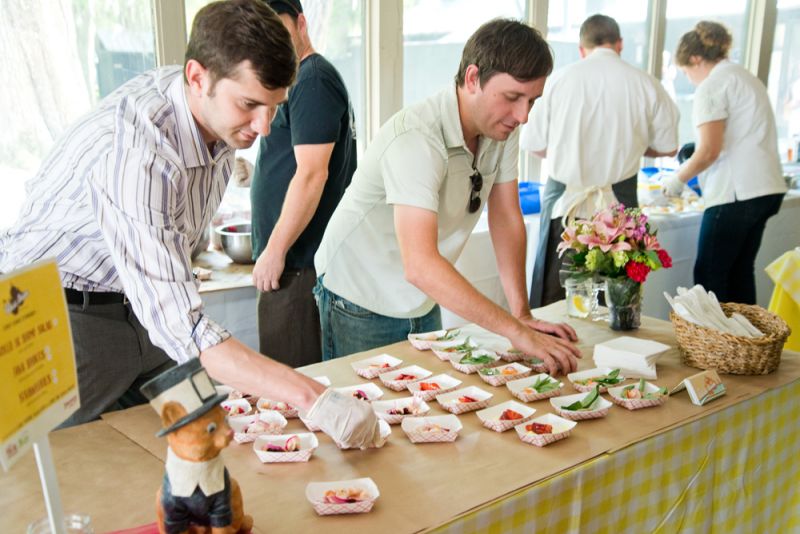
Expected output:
(474, 196)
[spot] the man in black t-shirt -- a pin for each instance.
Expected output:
(303, 168)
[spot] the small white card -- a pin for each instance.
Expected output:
(702, 387)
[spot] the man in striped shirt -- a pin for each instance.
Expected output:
(126, 193)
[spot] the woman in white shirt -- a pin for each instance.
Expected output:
(736, 158)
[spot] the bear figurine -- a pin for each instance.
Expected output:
(198, 494)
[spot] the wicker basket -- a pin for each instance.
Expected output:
(707, 348)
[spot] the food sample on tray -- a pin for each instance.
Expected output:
(542, 385)
(292, 444)
(539, 428)
(341, 496)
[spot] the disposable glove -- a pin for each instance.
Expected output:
(671, 185)
(351, 422)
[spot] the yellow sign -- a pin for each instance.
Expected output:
(37, 359)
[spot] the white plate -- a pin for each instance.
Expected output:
(592, 373)
(372, 391)
(308, 444)
(413, 427)
(517, 388)
(449, 401)
(562, 428)
(443, 351)
(382, 407)
(599, 407)
(391, 379)
(469, 368)
(373, 366)
(446, 383)
(271, 418)
(283, 408)
(490, 417)
(423, 341)
(521, 371)
(315, 493)
(636, 404)
(237, 407)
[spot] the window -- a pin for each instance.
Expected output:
(784, 76)
(564, 19)
(59, 63)
(682, 15)
(336, 29)
(434, 34)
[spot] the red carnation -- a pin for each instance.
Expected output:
(637, 271)
(663, 257)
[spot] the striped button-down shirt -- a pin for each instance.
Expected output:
(120, 202)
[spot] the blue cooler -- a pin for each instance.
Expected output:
(529, 199)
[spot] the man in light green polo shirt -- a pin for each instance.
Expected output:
(387, 255)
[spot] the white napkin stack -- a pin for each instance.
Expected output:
(635, 358)
(702, 308)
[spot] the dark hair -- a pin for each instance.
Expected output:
(506, 46)
(709, 40)
(599, 30)
(293, 8)
(226, 33)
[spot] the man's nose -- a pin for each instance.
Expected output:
(262, 121)
(521, 111)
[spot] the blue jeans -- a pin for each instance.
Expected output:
(730, 236)
(348, 328)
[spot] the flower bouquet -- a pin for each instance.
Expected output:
(618, 245)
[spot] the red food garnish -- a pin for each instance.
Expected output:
(429, 386)
(467, 399)
(360, 395)
(510, 415)
(403, 376)
(539, 428)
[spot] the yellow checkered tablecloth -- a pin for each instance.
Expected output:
(785, 302)
(737, 470)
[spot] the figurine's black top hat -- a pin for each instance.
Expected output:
(187, 384)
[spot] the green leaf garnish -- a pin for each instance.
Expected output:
(606, 380)
(464, 347)
(469, 359)
(489, 371)
(450, 334)
(587, 401)
(545, 384)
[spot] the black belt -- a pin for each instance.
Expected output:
(94, 297)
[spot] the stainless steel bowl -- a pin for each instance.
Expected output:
(236, 243)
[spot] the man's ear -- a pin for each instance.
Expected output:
(197, 76)
(472, 79)
(302, 24)
(171, 412)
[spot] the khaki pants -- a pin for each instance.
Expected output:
(288, 320)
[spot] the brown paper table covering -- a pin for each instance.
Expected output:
(101, 473)
(423, 486)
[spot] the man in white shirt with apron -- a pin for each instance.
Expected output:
(595, 121)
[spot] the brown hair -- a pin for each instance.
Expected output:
(599, 30)
(709, 40)
(226, 33)
(506, 46)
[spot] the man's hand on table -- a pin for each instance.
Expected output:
(268, 270)
(351, 422)
(552, 342)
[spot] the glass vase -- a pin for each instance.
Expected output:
(624, 301)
